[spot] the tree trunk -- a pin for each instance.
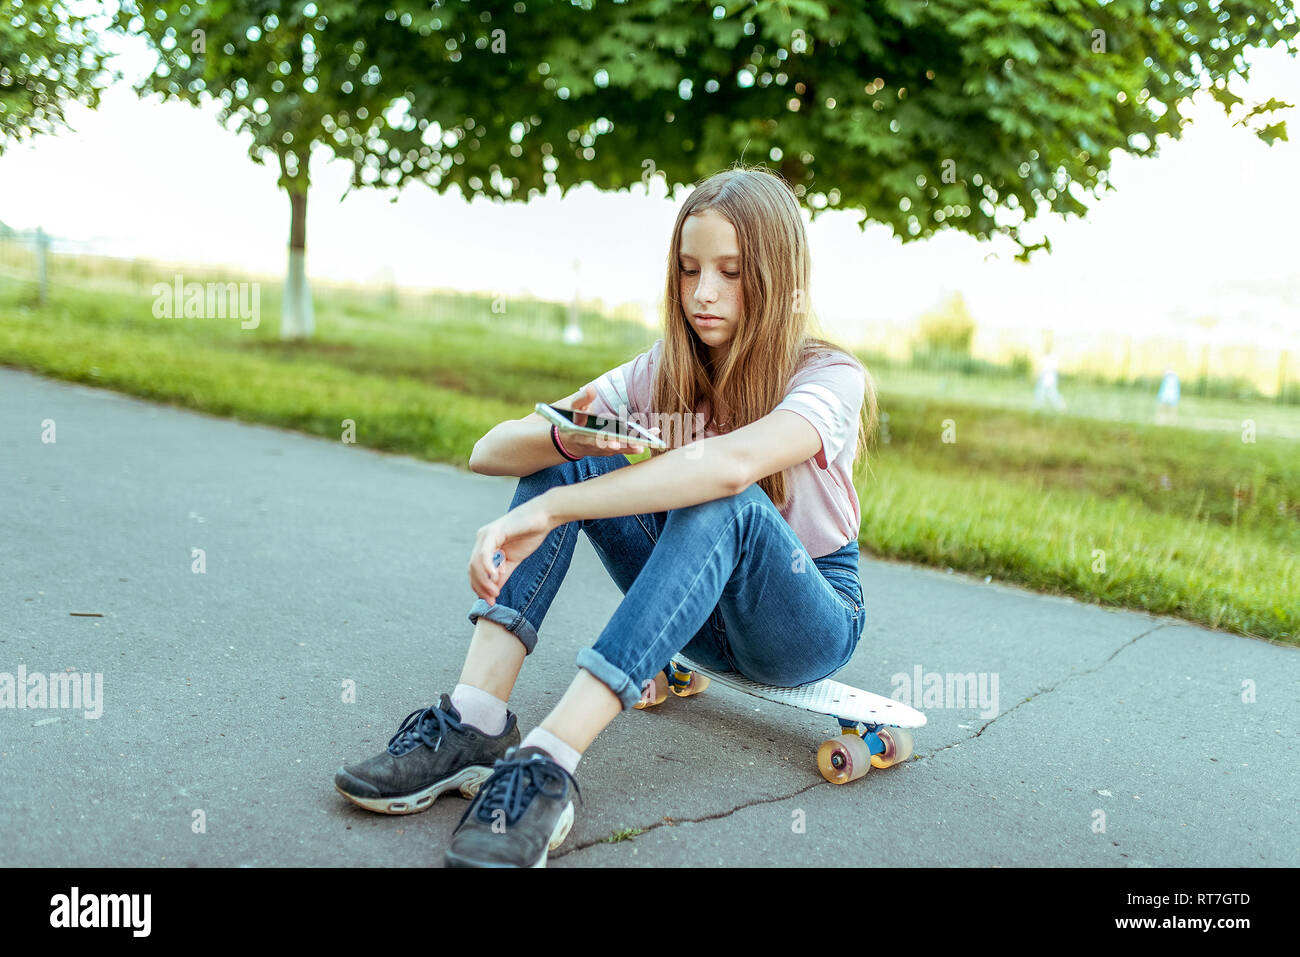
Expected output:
(297, 318)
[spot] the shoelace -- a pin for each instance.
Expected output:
(417, 728)
(515, 783)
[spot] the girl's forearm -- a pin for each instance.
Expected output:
(679, 477)
(516, 447)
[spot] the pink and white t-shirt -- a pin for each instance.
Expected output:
(828, 391)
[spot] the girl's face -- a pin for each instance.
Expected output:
(711, 293)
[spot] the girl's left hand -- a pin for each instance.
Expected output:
(515, 534)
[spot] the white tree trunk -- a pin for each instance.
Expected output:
(297, 318)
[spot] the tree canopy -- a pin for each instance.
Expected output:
(923, 115)
(48, 58)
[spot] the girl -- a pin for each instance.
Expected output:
(737, 548)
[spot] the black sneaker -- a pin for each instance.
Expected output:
(521, 814)
(431, 753)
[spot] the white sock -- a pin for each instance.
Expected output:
(484, 711)
(564, 755)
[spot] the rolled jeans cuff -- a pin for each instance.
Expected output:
(616, 678)
(513, 622)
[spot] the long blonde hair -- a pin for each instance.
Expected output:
(775, 335)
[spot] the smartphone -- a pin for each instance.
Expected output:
(623, 430)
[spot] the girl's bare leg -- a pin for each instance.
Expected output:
(587, 708)
(493, 663)
(494, 659)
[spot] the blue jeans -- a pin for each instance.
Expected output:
(727, 583)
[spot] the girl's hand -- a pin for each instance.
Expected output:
(515, 536)
(579, 444)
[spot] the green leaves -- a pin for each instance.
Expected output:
(1025, 102)
(1271, 133)
(48, 58)
(1275, 131)
(1225, 97)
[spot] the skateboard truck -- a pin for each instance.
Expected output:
(681, 678)
(859, 748)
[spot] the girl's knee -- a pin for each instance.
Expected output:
(725, 506)
(562, 473)
(566, 473)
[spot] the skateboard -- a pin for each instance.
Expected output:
(873, 729)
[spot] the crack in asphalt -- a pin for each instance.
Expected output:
(673, 821)
(1037, 694)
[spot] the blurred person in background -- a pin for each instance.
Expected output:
(1167, 398)
(1047, 394)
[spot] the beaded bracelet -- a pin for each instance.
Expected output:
(555, 440)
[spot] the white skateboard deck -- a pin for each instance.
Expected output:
(826, 697)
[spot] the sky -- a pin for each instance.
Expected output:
(1207, 228)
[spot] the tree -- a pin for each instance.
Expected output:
(48, 58)
(286, 75)
(385, 86)
(923, 115)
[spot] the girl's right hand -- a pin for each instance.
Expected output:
(580, 444)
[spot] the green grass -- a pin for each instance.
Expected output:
(625, 834)
(1196, 476)
(1114, 551)
(1193, 523)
